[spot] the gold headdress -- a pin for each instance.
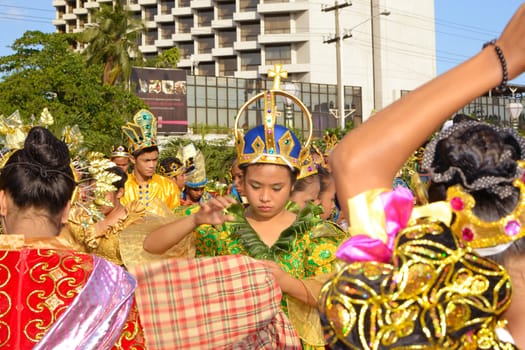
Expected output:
(13, 131)
(94, 180)
(308, 167)
(272, 143)
(72, 136)
(477, 233)
(175, 167)
(142, 132)
(330, 141)
(119, 151)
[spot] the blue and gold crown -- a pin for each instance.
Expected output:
(173, 168)
(142, 132)
(272, 143)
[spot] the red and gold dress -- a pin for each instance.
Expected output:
(51, 297)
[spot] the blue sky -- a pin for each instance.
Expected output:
(462, 26)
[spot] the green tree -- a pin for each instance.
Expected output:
(45, 71)
(167, 59)
(113, 41)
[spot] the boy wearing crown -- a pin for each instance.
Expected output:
(174, 169)
(194, 191)
(120, 156)
(152, 190)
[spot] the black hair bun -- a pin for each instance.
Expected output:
(42, 147)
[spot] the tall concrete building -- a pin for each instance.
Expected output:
(389, 45)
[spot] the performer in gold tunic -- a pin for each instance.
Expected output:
(102, 237)
(143, 184)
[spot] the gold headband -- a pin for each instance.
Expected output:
(478, 233)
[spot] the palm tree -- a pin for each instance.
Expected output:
(113, 40)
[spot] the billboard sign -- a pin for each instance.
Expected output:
(164, 91)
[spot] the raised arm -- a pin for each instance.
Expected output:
(165, 237)
(369, 156)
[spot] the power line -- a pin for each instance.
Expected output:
(25, 18)
(28, 8)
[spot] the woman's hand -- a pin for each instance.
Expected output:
(282, 277)
(290, 285)
(213, 212)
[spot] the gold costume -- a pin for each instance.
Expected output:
(158, 188)
(434, 292)
(82, 233)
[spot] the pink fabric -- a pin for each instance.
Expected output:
(398, 205)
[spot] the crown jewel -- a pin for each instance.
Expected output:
(270, 142)
(142, 132)
(477, 233)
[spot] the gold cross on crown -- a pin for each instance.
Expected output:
(277, 73)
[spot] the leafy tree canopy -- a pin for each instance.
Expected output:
(45, 71)
(167, 59)
(113, 41)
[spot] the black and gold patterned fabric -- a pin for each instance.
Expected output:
(435, 294)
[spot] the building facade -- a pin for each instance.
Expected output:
(390, 46)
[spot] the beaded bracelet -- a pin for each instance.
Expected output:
(505, 77)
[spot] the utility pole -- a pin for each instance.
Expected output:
(338, 39)
(377, 77)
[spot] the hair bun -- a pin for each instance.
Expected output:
(42, 147)
(469, 151)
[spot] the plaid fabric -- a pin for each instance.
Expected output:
(227, 302)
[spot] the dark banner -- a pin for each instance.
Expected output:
(164, 91)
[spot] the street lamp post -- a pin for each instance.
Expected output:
(376, 55)
(194, 61)
(515, 108)
(292, 89)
